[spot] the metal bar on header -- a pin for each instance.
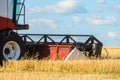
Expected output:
(57, 35)
(47, 38)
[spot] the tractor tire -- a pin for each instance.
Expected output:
(12, 46)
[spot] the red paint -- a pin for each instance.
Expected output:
(6, 23)
(53, 51)
(59, 51)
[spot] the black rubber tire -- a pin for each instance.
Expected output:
(1, 54)
(12, 37)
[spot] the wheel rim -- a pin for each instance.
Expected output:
(11, 50)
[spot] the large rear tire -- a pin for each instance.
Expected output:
(12, 46)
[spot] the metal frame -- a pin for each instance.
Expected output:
(14, 11)
(47, 39)
(15, 14)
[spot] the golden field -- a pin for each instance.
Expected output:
(112, 52)
(107, 68)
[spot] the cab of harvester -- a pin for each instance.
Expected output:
(12, 17)
(11, 13)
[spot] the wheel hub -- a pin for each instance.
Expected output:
(7, 51)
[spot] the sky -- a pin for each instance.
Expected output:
(100, 18)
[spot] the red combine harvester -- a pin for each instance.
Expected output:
(53, 46)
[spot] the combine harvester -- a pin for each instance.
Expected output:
(53, 46)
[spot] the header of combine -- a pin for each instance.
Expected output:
(58, 46)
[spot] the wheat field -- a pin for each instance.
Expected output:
(112, 52)
(107, 68)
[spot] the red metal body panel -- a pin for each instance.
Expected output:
(59, 51)
(6, 23)
(53, 51)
